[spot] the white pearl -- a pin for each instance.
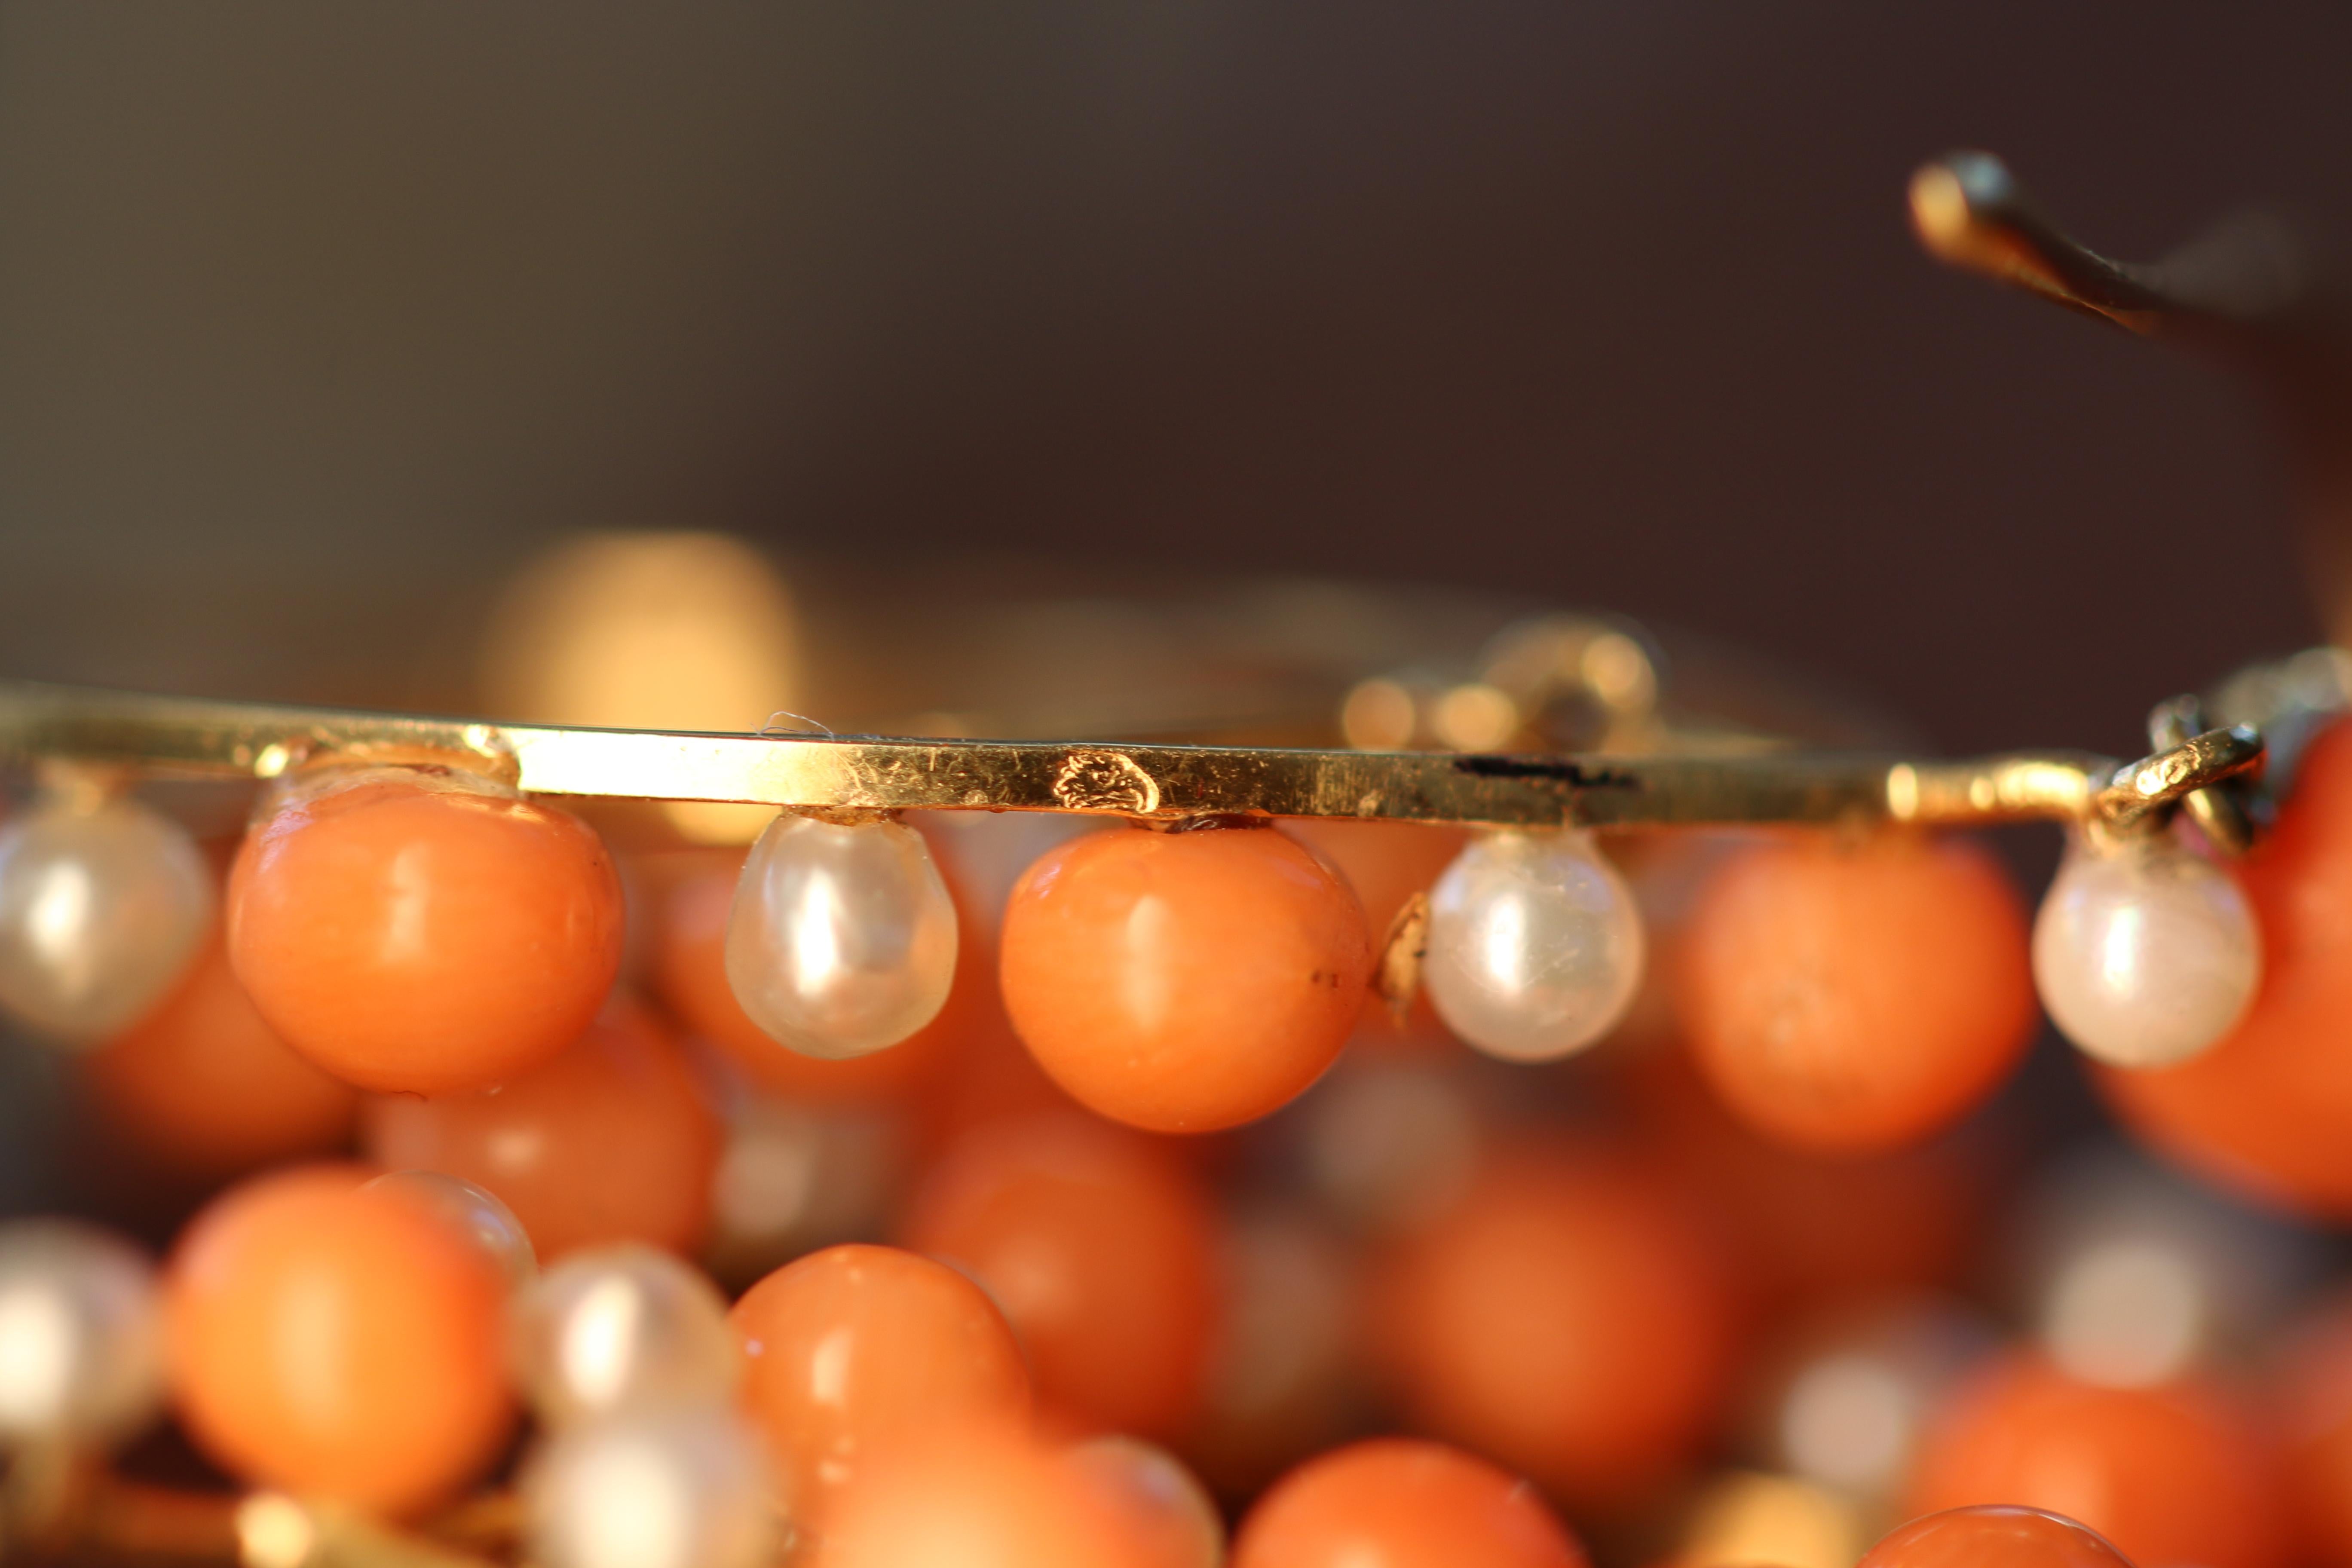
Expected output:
(667, 1490)
(2145, 953)
(80, 1352)
(843, 939)
(478, 1212)
(622, 1329)
(1534, 946)
(102, 908)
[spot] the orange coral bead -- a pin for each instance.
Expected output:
(339, 1342)
(1564, 1318)
(1812, 1229)
(854, 1350)
(2268, 1111)
(1993, 1538)
(1100, 1249)
(612, 1140)
(689, 972)
(1184, 981)
(977, 1495)
(2312, 1404)
(1395, 1503)
(1386, 863)
(2175, 1474)
(410, 937)
(206, 1085)
(1856, 995)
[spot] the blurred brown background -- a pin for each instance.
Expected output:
(313, 319)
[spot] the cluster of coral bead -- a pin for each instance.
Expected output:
(426, 962)
(425, 930)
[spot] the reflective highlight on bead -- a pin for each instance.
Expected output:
(1402, 1502)
(1184, 981)
(478, 1212)
(423, 931)
(1164, 1510)
(854, 1352)
(1534, 947)
(102, 909)
(2145, 953)
(674, 1490)
(622, 1329)
(80, 1356)
(843, 940)
(1984, 1536)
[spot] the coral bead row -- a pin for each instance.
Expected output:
(422, 930)
(861, 1406)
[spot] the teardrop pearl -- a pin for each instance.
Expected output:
(101, 910)
(2145, 953)
(1534, 946)
(843, 939)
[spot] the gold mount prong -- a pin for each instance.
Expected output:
(2219, 810)
(1396, 974)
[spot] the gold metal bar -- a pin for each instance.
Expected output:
(195, 737)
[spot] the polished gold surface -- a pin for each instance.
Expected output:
(49, 725)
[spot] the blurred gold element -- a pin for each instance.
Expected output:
(1402, 947)
(648, 631)
(1475, 717)
(1378, 716)
(1745, 1519)
(274, 1530)
(1586, 662)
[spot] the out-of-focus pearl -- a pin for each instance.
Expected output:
(80, 1338)
(663, 1489)
(2145, 954)
(1281, 1375)
(2136, 1276)
(1390, 1144)
(843, 941)
(622, 1329)
(793, 1178)
(102, 908)
(478, 1212)
(1535, 948)
(1856, 1402)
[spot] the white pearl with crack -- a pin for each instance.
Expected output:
(1535, 945)
(102, 909)
(843, 939)
(2145, 953)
